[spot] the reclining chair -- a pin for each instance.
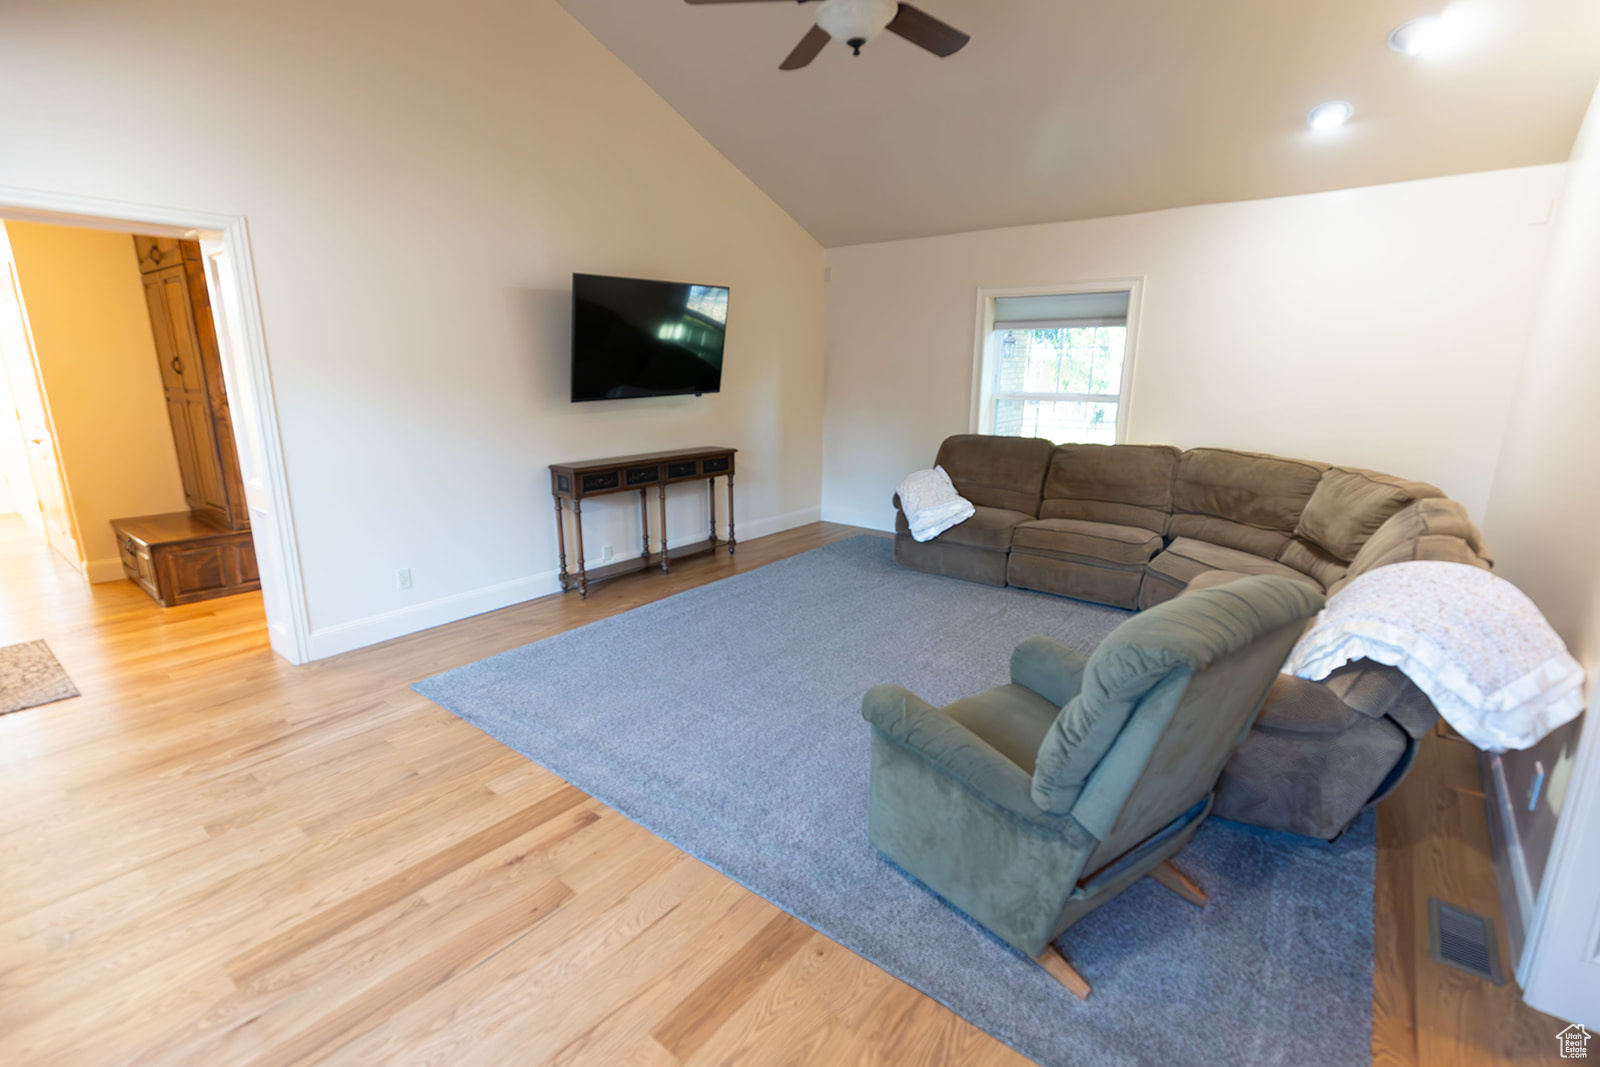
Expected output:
(1032, 804)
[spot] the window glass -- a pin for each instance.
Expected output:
(1061, 382)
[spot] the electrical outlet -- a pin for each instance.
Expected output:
(402, 578)
(605, 553)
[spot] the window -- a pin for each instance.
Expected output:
(1055, 365)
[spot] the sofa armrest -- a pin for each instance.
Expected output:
(1296, 705)
(914, 724)
(1049, 668)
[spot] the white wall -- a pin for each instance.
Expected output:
(421, 178)
(1381, 327)
(1543, 511)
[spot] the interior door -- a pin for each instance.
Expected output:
(27, 395)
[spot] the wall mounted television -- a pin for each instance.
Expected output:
(632, 337)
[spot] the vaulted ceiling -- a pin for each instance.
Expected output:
(1069, 109)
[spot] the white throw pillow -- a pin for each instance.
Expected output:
(931, 504)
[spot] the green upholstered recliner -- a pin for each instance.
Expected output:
(1031, 804)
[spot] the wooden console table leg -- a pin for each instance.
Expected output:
(561, 542)
(583, 577)
(644, 525)
(663, 490)
(731, 541)
(711, 500)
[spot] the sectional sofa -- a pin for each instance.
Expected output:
(1134, 525)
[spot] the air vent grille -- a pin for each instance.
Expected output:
(1464, 940)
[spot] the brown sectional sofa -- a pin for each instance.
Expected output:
(1134, 525)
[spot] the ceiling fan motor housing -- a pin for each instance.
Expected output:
(855, 22)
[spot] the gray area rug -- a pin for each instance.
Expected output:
(727, 720)
(30, 676)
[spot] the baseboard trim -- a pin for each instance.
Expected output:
(869, 520)
(100, 571)
(325, 641)
(1510, 858)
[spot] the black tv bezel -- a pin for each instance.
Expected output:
(572, 346)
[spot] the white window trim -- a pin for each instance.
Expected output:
(981, 418)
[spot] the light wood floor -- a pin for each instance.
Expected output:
(215, 858)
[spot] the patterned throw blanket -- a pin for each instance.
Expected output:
(1473, 642)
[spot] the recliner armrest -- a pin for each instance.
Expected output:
(1049, 668)
(915, 724)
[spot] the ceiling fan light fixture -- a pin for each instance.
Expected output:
(855, 22)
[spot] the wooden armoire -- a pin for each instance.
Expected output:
(204, 552)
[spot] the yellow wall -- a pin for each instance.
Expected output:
(92, 332)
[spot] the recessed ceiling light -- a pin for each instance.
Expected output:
(1327, 116)
(1415, 37)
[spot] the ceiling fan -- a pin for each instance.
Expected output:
(855, 22)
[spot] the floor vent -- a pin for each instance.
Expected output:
(1464, 940)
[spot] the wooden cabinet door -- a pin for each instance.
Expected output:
(183, 375)
(177, 346)
(245, 561)
(157, 252)
(192, 573)
(208, 473)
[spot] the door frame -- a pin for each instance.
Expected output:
(288, 621)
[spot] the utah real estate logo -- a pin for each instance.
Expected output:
(1574, 1042)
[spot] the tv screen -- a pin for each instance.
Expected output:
(632, 337)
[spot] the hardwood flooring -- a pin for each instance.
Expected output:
(214, 858)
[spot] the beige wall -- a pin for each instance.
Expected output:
(1381, 327)
(1543, 511)
(1546, 489)
(91, 330)
(421, 179)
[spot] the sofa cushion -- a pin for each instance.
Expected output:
(1304, 556)
(1130, 485)
(1349, 505)
(1077, 539)
(1243, 500)
(997, 472)
(951, 561)
(1114, 584)
(989, 528)
(1435, 528)
(1013, 719)
(1186, 559)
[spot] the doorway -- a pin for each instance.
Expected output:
(222, 258)
(34, 479)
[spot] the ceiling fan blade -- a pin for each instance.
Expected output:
(921, 28)
(807, 49)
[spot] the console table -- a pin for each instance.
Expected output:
(576, 482)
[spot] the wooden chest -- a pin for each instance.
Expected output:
(178, 558)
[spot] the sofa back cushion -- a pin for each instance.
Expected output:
(1129, 485)
(1243, 500)
(997, 472)
(1143, 672)
(1434, 528)
(1349, 506)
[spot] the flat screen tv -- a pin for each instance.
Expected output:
(632, 337)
